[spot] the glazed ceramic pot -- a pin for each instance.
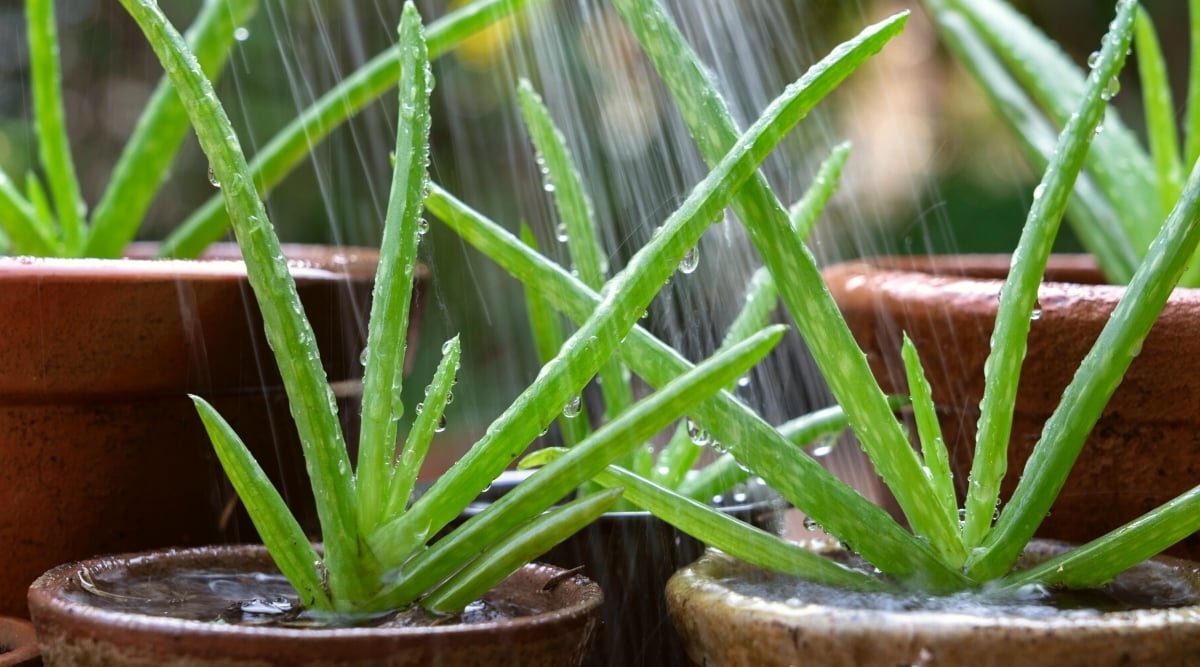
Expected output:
(1145, 449)
(730, 614)
(102, 450)
(631, 555)
(550, 618)
(18, 645)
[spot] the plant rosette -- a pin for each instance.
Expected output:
(730, 613)
(1141, 452)
(93, 612)
(102, 450)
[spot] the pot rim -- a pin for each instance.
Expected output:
(703, 579)
(220, 261)
(46, 598)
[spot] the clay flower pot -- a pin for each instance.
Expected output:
(730, 614)
(1144, 450)
(18, 645)
(557, 615)
(101, 451)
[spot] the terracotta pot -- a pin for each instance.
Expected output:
(73, 629)
(1144, 450)
(18, 645)
(102, 450)
(725, 624)
(631, 555)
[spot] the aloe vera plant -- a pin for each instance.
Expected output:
(381, 551)
(1126, 189)
(953, 548)
(47, 216)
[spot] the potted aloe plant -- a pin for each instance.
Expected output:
(101, 347)
(628, 550)
(955, 584)
(381, 554)
(1143, 449)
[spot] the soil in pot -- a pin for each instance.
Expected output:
(229, 606)
(731, 613)
(631, 555)
(1143, 450)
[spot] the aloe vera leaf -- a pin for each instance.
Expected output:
(795, 270)
(21, 223)
(578, 216)
(43, 210)
(929, 431)
(1191, 149)
(736, 538)
(1095, 222)
(280, 532)
(805, 212)
(800, 479)
(427, 422)
(1116, 160)
(548, 339)
(529, 541)
(1002, 370)
(383, 375)
(54, 146)
(1097, 378)
(288, 331)
(1097, 562)
(1159, 108)
(146, 160)
(291, 145)
(611, 441)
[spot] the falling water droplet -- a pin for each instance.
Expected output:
(241, 34)
(561, 232)
(212, 178)
(690, 261)
(572, 408)
(743, 381)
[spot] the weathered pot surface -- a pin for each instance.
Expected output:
(18, 645)
(723, 626)
(73, 630)
(1143, 450)
(97, 434)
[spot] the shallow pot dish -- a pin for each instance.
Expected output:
(74, 629)
(1145, 449)
(102, 450)
(727, 620)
